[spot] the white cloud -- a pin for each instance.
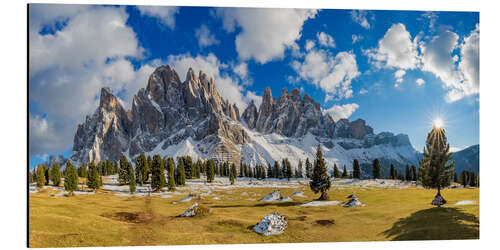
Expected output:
(437, 58)
(360, 17)
(165, 14)
(356, 38)
(363, 91)
(227, 85)
(432, 17)
(399, 76)
(90, 36)
(205, 38)
(309, 45)
(456, 65)
(325, 40)
(69, 66)
(420, 81)
(333, 74)
(338, 112)
(265, 33)
(241, 70)
(395, 49)
(469, 66)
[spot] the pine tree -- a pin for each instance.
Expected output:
(289, 173)
(269, 171)
(376, 169)
(344, 172)
(210, 171)
(232, 174)
(455, 177)
(336, 172)
(30, 177)
(40, 176)
(414, 173)
(242, 171)
(309, 169)
(435, 167)
(298, 173)
(393, 173)
(141, 169)
(82, 171)
(70, 178)
(180, 179)
(157, 173)
(276, 172)
(47, 174)
(55, 174)
(171, 174)
(356, 171)
(131, 184)
(123, 173)
(320, 181)
(407, 173)
(233, 170)
(93, 178)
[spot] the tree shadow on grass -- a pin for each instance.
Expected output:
(439, 223)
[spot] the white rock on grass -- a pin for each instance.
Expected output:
(275, 196)
(193, 210)
(319, 203)
(271, 224)
(353, 203)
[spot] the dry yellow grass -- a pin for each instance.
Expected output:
(390, 214)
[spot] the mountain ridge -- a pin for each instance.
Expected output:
(169, 116)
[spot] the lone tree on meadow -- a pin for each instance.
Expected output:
(55, 174)
(157, 174)
(40, 176)
(376, 169)
(70, 178)
(356, 171)
(320, 181)
(436, 167)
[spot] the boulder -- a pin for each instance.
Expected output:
(195, 210)
(275, 196)
(271, 224)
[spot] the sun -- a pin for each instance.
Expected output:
(438, 123)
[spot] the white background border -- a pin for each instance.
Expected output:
(13, 125)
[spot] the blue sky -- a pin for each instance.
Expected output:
(398, 70)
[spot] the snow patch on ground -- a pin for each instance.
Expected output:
(320, 203)
(465, 202)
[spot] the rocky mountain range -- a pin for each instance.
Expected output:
(171, 117)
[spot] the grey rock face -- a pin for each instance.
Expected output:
(292, 115)
(167, 112)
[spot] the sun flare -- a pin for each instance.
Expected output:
(438, 123)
